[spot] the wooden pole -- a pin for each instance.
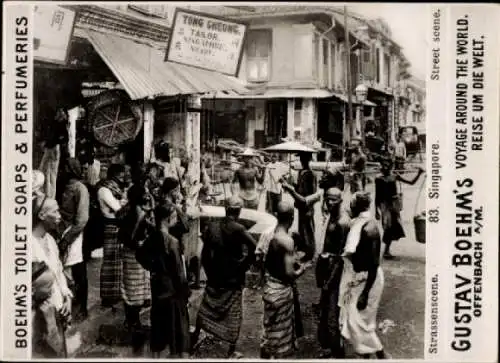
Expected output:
(349, 117)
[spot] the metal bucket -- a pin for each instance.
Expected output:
(419, 223)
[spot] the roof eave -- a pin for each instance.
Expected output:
(332, 14)
(276, 15)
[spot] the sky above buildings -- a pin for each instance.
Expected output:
(408, 25)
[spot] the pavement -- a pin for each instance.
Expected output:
(400, 319)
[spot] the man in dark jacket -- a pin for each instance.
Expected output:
(161, 255)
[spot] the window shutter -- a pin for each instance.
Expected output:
(366, 65)
(258, 52)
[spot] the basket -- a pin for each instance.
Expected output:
(115, 119)
(419, 223)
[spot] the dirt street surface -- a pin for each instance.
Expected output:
(400, 319)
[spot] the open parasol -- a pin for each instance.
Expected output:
(290, 147)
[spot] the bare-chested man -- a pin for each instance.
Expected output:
(358, 165)
(246, 176)
(282, 319)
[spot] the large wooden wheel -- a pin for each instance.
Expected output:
(115, 119)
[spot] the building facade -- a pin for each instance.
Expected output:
(295, 63)
(412, 111)
(121, 47)
(415, 112)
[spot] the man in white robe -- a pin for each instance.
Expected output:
(362, 281)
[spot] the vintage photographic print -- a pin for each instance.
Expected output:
(246, 180)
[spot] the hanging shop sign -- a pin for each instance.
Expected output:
(52, 33)
(207, 42)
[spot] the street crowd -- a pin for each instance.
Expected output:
(144, 217)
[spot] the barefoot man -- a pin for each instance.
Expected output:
(282, 319)
(362, 281)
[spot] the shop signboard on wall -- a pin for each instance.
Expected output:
(205, 41)
(52, 33)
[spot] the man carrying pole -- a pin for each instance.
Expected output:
(245, 177)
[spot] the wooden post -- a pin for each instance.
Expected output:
(73, 115)
(192, 135)
(149, 121)
(330, 65)
(348, 76)
(357, 126)
(192, 144)
(290, 123)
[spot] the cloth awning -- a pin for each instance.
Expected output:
(143, 73)
(380, 90)
(343, 98)
(272, 93)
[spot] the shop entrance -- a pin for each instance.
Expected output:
(223, 119)
(229, 125)
(275, 123)
(330, 119)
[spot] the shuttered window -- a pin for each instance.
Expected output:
(259, 44)
(366, 64)
(387, 71)
(297, 114)
(343, 70)
(334, 61)
(377, 65)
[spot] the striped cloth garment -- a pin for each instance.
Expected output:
(136, 287)
(279, 318)
(111, 268)
(220, 313)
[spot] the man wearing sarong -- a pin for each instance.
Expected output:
(226, 258)
(282, 320)
(362, 281)
(328, 273)
(161, 255)
(305, 187)
(388, 203)
(246, 176)
(136, 226)
(111, 199)
(308, 202)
